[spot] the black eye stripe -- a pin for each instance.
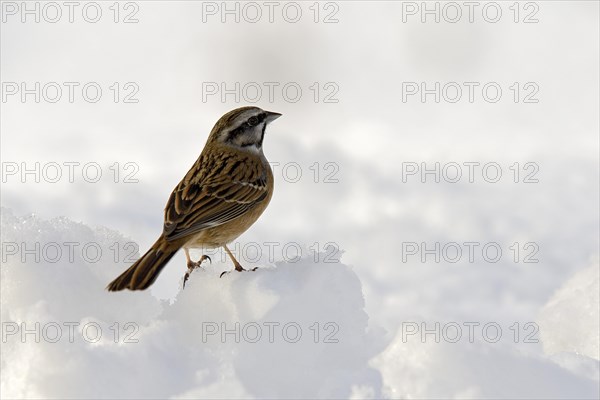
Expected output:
(245, 126)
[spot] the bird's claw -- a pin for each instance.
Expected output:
(192, 266)
(238, 268)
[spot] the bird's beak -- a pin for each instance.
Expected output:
(272, 116)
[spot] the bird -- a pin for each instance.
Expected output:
(222, 195)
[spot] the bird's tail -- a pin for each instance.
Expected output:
(145, 270)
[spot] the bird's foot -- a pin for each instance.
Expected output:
(192, 266)
(238, 268)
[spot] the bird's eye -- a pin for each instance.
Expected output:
(252, 121)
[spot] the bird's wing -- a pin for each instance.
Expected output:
(216, 190)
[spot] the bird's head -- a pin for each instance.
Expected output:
(243, 127)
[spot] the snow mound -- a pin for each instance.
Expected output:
(570, 324)
(297, 329)
(570, 321)
(415, 369)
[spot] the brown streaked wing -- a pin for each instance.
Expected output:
(215, 191)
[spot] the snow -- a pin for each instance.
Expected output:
(178, 353)
(415, 369)
(417, 366)
(570, 323)
(238, 337)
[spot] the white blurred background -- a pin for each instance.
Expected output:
(367, 54)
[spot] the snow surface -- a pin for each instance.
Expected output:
(570, 322)
(172, 359)
(177, 356)
(571, 317)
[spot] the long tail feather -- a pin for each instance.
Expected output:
(145, 270)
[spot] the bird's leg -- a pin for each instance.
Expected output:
(192, 265)
(237, 265)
